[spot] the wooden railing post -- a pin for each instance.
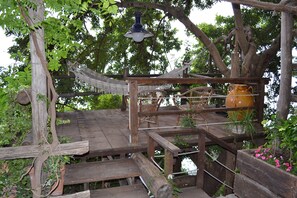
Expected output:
(168, 162)
(133, 112)
(200, 161)
(151, 148)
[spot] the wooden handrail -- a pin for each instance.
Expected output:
(170, 150)
(180, 112)
(156, 81)
(164, 143)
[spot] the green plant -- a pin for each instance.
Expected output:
(243, 125)
(282, 141)
(187, 122)
(180, 142)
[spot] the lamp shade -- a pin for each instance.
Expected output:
(137, 32)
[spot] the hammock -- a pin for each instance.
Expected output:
(113, 86)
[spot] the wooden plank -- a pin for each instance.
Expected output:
(75, 148)
(247, 188)
(84, 194)
(133, 110)
(164, 143)
(277, 180)
(192, 192)
(185, 181)
(153, 178)
(100, 171)
(130, 191)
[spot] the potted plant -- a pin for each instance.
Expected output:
(244, 125)
(271, 169)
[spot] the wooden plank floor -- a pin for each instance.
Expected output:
(108, 133)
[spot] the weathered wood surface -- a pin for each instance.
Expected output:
(193, 192)
(84, 194)
(133, 109)
(164, 143)
(75, 148)
(247, 188)
(276, 180)
(100, 171)
(201, 159)
(154, 179)
(108, 133)
(130, 191)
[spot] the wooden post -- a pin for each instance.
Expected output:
(133, 112)
(154, 179)
(168, 162)
(201, 147)
(286, 65)
(151, 148)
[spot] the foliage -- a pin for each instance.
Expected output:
(180, 142)
(13, 182)
(187, 122)
(282, 138)
(15, 123)
(245, 123)
(107, 101)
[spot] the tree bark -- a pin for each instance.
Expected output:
(286, 65)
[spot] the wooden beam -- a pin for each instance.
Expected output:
(133, 110)
(153, 178)
(156, 81)
(84, 194)
(164, 143)
(75, 148)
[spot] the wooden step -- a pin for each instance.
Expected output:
(100, 171)
(131, 191)
(192, 192)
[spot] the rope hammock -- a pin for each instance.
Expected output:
(109, 85)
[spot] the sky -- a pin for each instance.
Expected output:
(197, 16)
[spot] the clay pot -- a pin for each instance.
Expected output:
(239, 95)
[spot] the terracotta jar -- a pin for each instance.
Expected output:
(239, 95)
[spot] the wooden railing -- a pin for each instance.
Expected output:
(258, 83)
(172, 151)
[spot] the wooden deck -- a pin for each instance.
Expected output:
(108, 134)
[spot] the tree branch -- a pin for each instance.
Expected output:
(266, 5)
(180, 15)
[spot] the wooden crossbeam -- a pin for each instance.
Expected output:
(75, 148)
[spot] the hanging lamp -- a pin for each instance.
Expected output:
(137, 32)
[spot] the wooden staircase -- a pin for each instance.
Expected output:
(89, 172)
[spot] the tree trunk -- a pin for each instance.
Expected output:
(286, 65)
(39, 89)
